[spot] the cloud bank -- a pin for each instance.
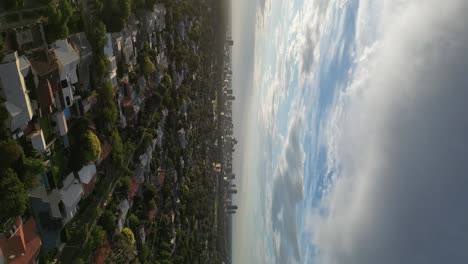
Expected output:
(402, 145)
(287, 192)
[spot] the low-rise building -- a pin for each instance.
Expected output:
(19, 242)
(38, 141)
(85, 51)
(88, 176)
(68, 59)
(124, 206)
(13, 89)
(71, 194)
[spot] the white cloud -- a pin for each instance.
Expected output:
(288, 190)
(401, 141)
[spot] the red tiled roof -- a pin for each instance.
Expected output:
(24, 244)
(46, 95)
(102, 253)
(106, 149)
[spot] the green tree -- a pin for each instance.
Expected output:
(109, 108)
(117, 154)
(32, 170)
(133, 221)
(148, 66)
(128, 236)
(14, 197)
(123, 186)
(115, 14)
(108, 221)
(149, 192)
(167, 81)
(98, 236)
(10, 152)
(101, 67)
(91, 147)
(58, 13)
(96, 35)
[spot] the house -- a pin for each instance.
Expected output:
(29, 37)
(88, 175)
(71, 194)
(124, 206)
(46, 211)
(45, 69)
(85, 51)
(54, 208)
(13, 89)
(19, 242)
(182, 138)
(68, 59)
(124, 46)
(38, 141)
(129, 102)
(109, 53)
(45, 96)
(61, 121)
(152, 21)
(84, 105)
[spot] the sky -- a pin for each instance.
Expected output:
(352, 123)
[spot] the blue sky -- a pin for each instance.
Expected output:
(324, 111)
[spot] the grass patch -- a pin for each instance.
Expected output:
(46, 128)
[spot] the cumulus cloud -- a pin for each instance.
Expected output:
(287, 192)
(402, 150)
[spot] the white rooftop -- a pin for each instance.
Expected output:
(38, 141)
(62, 123)
(68, 58)
(15, 93)
(71, 191)
(87, 172)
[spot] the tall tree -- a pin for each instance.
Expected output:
(148, 66)
(91, 147)
(117, 154)
(13, 196)
(10, 152)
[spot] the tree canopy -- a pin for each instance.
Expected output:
(117, 154)
(10, 152)
(91, 147)
(148, 66)
(59, 13)
(115, 14)
(108, 221)
(108, 108)
(14, 197)
(128, 236)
